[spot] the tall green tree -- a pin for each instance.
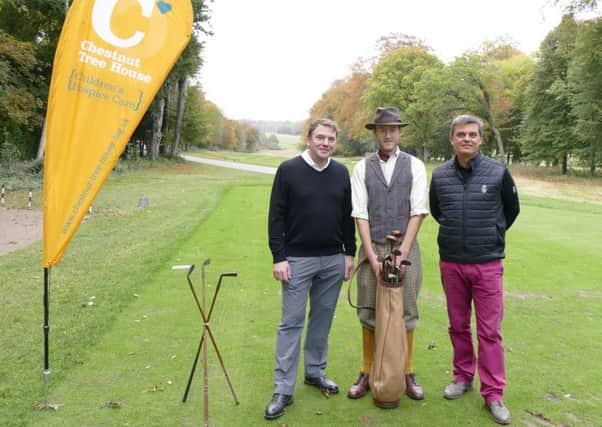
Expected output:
(184, 69)
(585, 86)
(393, 83)
(195, 126)
(476, 85)
(429, 115)
(19, 99)
(342, 102)
(395, 75)
(547, 132)
(515, 72)
(215, 121)
(36, 24)
(498, 72)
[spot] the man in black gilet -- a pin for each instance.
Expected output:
(474, 200)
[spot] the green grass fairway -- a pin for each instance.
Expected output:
(134, 346)
(111, 260)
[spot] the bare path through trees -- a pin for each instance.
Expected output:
(231, 165)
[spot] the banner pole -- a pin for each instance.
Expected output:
(46, 332)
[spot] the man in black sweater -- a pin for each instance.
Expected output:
(312, 239)
(474, 200)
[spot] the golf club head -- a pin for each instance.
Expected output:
(190, 270)
(203, 265)
(229, 274)
(221, 276)
(219, 284)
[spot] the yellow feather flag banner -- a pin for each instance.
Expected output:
(111, 60)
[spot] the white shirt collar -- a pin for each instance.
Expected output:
(305, 155)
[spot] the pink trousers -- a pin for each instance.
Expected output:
(482, 284)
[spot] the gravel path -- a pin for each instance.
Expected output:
(19, 228)
(231, 165)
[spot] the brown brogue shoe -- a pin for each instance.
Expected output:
(413, 389)
(360, 388)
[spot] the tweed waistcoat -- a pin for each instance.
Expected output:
(388, 205)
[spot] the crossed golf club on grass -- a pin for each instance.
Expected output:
(206, 332)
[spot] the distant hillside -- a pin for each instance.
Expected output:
(280, 127)
(288, 141)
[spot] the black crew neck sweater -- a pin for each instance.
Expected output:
(310, 211)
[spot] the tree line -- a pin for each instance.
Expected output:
(179, 116)
(543, 109)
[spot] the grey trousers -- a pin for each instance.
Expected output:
(320, 278)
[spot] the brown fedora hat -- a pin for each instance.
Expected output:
(386, 116)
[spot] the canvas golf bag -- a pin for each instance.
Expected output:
(387, 380)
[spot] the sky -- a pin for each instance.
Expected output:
(273, 59)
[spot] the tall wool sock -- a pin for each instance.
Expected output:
(409, 362)
(368, 347)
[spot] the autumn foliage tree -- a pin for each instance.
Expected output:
(342, 103)
(19, 105)
(29, 32)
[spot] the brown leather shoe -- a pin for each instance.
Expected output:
(413, 389)
(360, 388)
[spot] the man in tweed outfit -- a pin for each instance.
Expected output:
(388, 193)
